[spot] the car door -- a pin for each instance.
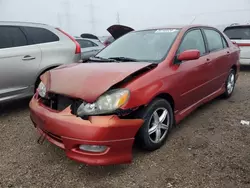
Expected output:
(193, 75)
(19, 63)
(219, 55)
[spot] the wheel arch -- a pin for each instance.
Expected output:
(41, 72)
(167, 97)
(234, 67)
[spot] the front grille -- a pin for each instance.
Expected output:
(61, 102)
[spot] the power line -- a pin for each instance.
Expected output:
(216, 12)
(64, 16)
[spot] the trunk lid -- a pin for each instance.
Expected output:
(119, 30)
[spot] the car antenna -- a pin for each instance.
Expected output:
(192, 21)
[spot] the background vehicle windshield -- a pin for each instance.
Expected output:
(147, 45)
(241, 32)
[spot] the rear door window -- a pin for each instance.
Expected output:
(41, 35)
(214, 40)
(238, 32)
(11, 37)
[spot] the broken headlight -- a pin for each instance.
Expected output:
(42, 89)
(107, 103)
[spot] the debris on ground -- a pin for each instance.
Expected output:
(244, 122)
(207, 149)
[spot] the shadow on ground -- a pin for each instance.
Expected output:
(245, 68)
(14, 106)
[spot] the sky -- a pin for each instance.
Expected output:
(78, 16)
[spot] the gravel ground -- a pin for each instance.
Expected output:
(210, 148)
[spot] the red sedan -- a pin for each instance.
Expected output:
(135, 89)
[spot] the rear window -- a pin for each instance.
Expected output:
(86, 43)
(41, 35)
(238, 33)
(11, 37)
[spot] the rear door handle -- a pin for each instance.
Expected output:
(28, 58)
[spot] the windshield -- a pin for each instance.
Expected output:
(147, 45)
(241, 32)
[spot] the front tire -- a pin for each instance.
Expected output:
(230, 84)
(158, 121)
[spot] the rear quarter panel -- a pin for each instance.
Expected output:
(59, 52)
(235, 52)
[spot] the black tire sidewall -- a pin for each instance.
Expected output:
(143, 137)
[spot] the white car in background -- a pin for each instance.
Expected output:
(27, 50)
(240, 34)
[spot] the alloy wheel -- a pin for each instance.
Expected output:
(230, 83)
(159, 125)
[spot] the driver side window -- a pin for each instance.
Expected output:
(193, 40)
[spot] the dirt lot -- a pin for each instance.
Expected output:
(208, 149)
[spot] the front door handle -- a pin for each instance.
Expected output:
(28, 58)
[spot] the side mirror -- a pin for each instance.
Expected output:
(188, 55)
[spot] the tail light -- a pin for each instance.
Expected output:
(78, 47)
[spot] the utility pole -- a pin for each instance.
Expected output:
(118, 18)
(92, 17)
(66, 13)
(59, 20)
(2, 7)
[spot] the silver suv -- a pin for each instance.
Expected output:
(27, 50)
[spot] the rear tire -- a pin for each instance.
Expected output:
(158, 121)
(230, 84)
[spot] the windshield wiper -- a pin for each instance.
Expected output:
(124, 59)
(101, 59)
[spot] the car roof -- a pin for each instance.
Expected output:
(185, 27)
(237, 26)
(16, 23)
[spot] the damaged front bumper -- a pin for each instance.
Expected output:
(70, 132)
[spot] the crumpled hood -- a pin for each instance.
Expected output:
(88, 81)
